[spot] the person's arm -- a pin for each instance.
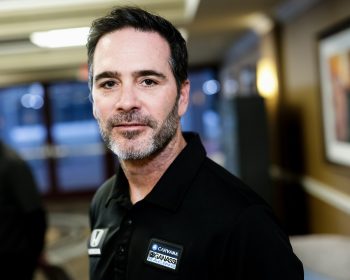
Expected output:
(260, 249)
(28, 200)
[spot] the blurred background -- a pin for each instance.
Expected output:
(256, 101)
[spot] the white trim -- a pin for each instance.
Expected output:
(326, 193)
(191, 7)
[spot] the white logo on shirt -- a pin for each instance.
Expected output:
(96, 237)
(96, 241)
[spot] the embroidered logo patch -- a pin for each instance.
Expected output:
(164, 254)
(96, 240)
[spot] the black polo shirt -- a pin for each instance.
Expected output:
(198, 222)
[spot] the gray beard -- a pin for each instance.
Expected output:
(158, 142)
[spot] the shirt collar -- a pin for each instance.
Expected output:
(172, 186)
(120, 189)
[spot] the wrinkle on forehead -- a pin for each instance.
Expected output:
(119, 40)
(132, 50)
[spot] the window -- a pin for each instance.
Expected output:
(22, 127)
(75, 134)
(53, 129)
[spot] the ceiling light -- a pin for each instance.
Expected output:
(260, 23)
(211, 87)
(60, 38)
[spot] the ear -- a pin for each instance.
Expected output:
(94, 110)
(93, 104)
(184, 98)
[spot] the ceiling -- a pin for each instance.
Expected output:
(212, 26)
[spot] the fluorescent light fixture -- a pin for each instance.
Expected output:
(60, 38)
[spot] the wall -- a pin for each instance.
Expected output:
(301, 105)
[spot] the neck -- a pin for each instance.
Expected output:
(143, 174)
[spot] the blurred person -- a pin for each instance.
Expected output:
(169, 212)
(23, 218)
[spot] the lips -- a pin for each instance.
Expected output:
(131, 120)
(130, 124)
(130, 127)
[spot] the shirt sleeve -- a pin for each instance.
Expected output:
(260, 249)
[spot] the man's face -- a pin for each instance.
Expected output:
(136, 100)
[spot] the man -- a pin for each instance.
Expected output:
(23, 218)
(169, 212)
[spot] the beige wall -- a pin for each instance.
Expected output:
(325, 219)
(301, 95)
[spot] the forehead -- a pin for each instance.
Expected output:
(128, 46)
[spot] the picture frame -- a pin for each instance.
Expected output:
(334, 70)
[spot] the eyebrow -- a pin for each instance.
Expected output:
(115, 74)
(149, 73)
(106, 74)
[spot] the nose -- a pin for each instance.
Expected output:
(128, 99)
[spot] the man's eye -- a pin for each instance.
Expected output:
(148, 82)
(108, 84)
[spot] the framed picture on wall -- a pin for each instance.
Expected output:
(334, 62)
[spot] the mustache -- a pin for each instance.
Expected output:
(130, 117)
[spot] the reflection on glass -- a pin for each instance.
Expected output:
(79, 150)
(202, 115)
(22, 127)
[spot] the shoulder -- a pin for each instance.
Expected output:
(238, 203)
(219, 182)
(10, 159)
